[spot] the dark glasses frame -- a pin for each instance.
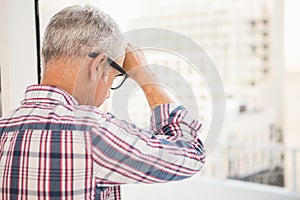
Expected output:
(115, 66)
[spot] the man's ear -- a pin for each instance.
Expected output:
(97, 67)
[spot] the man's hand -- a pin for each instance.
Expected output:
(134, 58)
(135, 65)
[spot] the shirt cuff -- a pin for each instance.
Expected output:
(165, 114)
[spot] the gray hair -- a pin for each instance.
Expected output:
(77, 30)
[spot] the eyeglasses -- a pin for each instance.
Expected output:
(120, 78)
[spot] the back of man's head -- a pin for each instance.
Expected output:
(77, 30)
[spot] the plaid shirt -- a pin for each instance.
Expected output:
(53, 148)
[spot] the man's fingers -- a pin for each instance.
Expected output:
(134, 57)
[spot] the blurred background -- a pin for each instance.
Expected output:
(255, 46)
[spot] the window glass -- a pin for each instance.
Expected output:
(236, 34)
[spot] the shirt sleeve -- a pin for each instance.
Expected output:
(171, 151)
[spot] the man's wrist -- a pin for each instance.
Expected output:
(143, 76)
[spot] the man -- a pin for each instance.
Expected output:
(58, 145)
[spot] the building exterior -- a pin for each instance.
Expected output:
(240, 37)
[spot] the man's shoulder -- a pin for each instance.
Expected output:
(60, 116)
(91, 113)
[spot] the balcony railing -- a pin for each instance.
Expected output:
(270, 164)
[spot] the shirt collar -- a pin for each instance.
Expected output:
(48, 94)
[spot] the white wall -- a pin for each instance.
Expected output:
(291, 35)
(17, 50)
(292, 129)
(291, 95)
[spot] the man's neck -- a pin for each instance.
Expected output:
(71, 78)
(61, 75)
